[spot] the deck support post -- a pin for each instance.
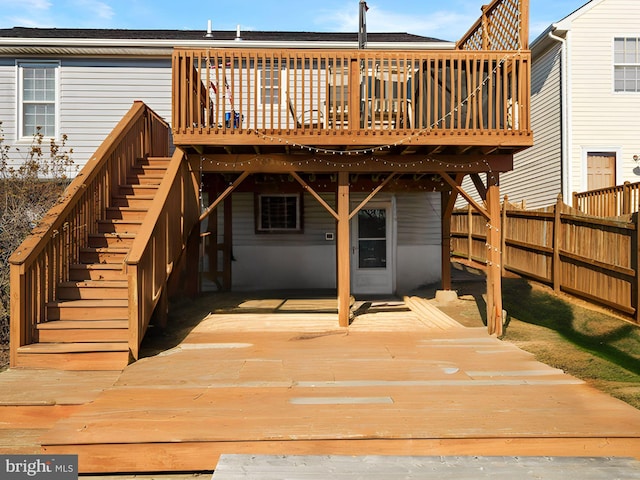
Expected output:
(447, 203)
(494, 257)
(192, 283)
(343, 250)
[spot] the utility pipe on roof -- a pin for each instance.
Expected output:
(564, 118)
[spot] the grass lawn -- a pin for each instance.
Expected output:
(585, 341)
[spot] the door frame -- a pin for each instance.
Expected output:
(589, 149)
(389, 205)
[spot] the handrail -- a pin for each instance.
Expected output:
(503, 25)
(42, 261)
(252, 96)
(161, 240)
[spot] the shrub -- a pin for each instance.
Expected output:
(29, 187)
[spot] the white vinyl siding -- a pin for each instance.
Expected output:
(543, 161)
(95, 95)
(602, 117)
(308, 260)
(8, 106)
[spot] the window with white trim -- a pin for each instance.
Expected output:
(38, 93)
(270, 84)
(626, 64)
(279, 213)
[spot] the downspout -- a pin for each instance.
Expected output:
(564, 119)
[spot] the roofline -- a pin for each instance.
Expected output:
(564, 24)
(164, 43)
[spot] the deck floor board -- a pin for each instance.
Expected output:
(294, 383)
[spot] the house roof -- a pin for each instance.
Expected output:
(200, 35)
(69, 41)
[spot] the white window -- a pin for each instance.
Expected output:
(37, 98)
(626, 64)
(279, 213)
(271, 83)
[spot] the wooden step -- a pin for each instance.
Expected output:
(135, 201)
(93, 290)
(69, 331)
(74, 356)
(111, 240)
(140, 189)
(157, 161)
(145, 179)
(76, 310)
(126, 213)
(119, 226)
(103, 255)
(96, 271)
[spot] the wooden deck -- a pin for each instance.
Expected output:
(281, 380)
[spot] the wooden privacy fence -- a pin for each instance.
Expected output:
(591, 257)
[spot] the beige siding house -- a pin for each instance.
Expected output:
(585, 103)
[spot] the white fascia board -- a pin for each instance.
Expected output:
(564, 25)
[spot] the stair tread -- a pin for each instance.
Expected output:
(115, 234)
(119, 221)
(138, 196)
(79, 347)
(82, 324)
(105, 249)
(88, 303)
(96, 266)
(95, 283)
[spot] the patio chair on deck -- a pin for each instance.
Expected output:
(310, 118)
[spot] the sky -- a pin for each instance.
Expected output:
(443, 19)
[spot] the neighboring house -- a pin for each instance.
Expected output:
(299, 161)
(585, 99)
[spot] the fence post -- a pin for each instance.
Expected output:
(626, 198)
(469, 231)
(557, 238)
(503, 234)
(635, 263)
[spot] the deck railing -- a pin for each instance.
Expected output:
(42, 261)
(609, 201)
(159, 244)
(256, 96)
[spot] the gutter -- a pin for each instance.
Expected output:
(565, 117)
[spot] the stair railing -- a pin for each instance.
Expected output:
(42, 261)
(159, 246)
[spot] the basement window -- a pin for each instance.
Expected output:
(279, 213)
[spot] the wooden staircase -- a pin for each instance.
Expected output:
(87, 327)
